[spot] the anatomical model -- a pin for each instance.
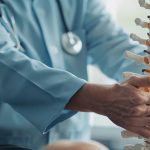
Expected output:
(140, 60)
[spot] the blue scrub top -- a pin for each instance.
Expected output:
(38, 79)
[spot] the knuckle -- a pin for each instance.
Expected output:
(137, 111)
(138, 99)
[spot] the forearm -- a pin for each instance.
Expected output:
(84, 99)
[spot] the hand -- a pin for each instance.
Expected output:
(125, 104)
(134, 114)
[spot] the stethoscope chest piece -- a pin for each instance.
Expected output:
(71, 43)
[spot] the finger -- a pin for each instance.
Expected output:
(139, 98)
(142, 131)
(134, 96)
(139, 81)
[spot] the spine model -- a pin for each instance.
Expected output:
(140, 60)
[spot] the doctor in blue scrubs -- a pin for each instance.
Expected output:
(45, 47)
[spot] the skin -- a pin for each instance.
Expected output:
(124, 104)
(67, 145)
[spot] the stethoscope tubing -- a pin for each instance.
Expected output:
(62, 16)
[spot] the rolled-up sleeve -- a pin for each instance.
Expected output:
(107, 42)
(36, 91)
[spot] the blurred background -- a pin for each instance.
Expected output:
(103, 130)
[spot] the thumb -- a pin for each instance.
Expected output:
(139, 81)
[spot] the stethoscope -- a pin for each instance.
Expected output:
(70, 41)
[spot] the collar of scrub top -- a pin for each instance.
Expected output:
(10, 25)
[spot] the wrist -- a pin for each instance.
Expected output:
(91, 98)
(80, 100)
